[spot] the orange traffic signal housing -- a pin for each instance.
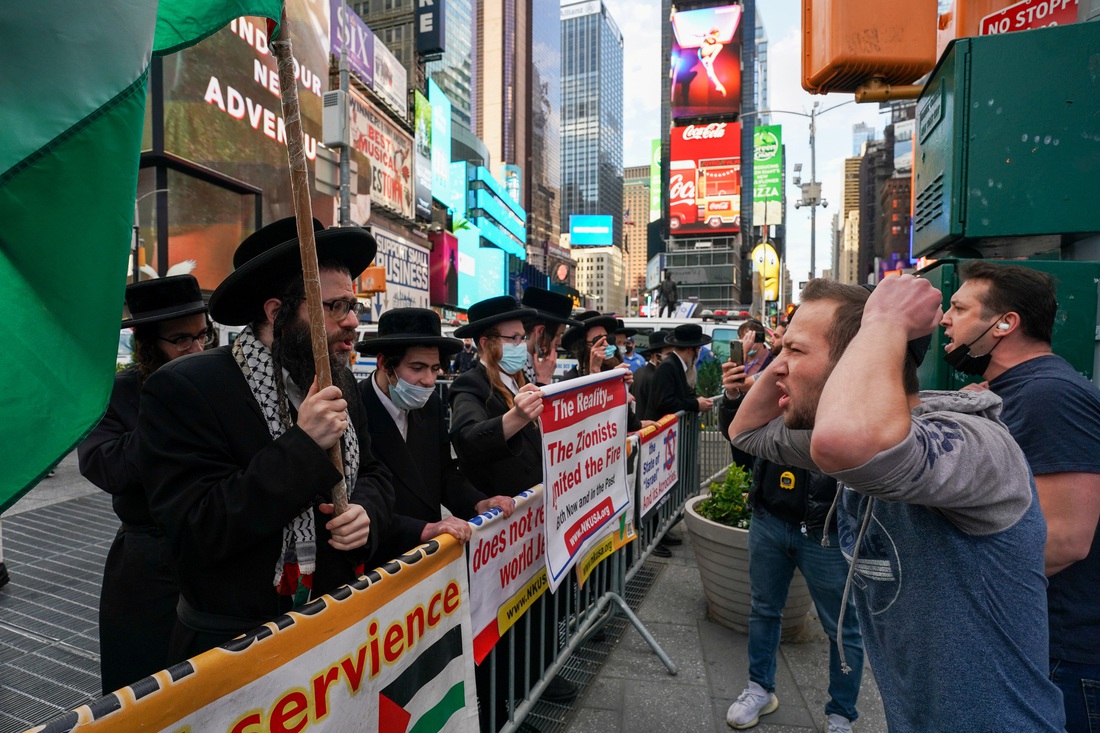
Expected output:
(848, 43)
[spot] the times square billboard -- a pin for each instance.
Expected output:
(704, 179)
(705, 65)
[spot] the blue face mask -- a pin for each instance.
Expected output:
(513, 358)
(407, 396)
(610, 351)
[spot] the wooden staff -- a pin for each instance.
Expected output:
(303, 212)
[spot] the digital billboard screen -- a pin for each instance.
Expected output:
(706, 62)
(423, 177)
(704, 181)
(586, 230)
(767, 175)
(441, 140)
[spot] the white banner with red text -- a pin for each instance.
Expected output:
(657, 474)
(583, 465)
(507, 569)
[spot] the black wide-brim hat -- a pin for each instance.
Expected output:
(162, 299)
(269, 257)
(687, 335)
(491, 311)
(656, 342)
(621, 328)
(405, 327)
(552, 307)
(587, 320)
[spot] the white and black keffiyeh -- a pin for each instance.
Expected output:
(298, 556)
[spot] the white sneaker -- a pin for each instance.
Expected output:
(749, 706)
(839, 724)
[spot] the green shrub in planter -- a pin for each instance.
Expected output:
(728, 502)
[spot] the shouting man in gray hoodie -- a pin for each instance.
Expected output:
(937, 511)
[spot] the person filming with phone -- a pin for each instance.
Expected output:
(757, 353)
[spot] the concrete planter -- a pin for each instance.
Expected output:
(722, 554)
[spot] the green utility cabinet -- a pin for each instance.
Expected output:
(1007, 146)
(1075, 326)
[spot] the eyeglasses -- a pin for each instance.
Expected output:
(340, 308)
(516, 340)
(183, 343)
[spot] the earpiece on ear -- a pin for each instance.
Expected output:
(1003, 327)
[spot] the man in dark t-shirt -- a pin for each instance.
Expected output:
(1006, 314)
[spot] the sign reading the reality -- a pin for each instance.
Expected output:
(584, 464)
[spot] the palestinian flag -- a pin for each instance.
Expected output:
(72, 118)
(425, 698)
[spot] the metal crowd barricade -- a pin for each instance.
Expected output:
(567, 619)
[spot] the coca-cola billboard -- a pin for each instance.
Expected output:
(704, 181)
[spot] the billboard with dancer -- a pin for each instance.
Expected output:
(706, 62)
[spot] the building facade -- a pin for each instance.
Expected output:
(542, 170)
(635, 216)
(600, 277)
(454, 72)
(592, 113)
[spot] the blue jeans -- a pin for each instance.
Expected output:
(776, 548)
(1080, 686)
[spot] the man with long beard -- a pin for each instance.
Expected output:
(235, 450)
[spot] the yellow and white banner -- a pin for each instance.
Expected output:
(583, 425)
(507, 568)
(391, 652)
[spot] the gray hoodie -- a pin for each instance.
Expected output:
(948, 572)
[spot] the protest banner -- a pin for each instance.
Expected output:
(507, 569)
(390, 652)
(584, 464)
(658, 465)
(615, 535)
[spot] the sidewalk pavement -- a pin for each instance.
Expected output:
(58, 539)
(634, 693)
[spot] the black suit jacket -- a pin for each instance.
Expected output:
(424, 473)
(642, 389)
(670, 391)
(223, 489)
(494, 465)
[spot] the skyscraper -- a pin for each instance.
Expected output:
(501, 60)
(454, 72)
(635, 217)
(592, 113)
(543, 169)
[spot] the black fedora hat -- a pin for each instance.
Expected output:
(656, 342)
(492, 311)
(552, 307)
(409, 327)
(621, 328)
(687, 335)
(269, 257)
(163, 299)
(588, 320)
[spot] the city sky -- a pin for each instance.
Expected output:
(645, 81)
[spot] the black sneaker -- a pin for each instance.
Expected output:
(660, 550)
(671, 540)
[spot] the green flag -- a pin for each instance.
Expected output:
(72, 117)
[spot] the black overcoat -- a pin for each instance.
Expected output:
(425, 475)
(492, 464)
(223, 489)
(669, 391)
(137, 602)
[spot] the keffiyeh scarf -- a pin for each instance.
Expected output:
(298, 557)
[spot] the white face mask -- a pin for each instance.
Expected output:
(407, 396)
